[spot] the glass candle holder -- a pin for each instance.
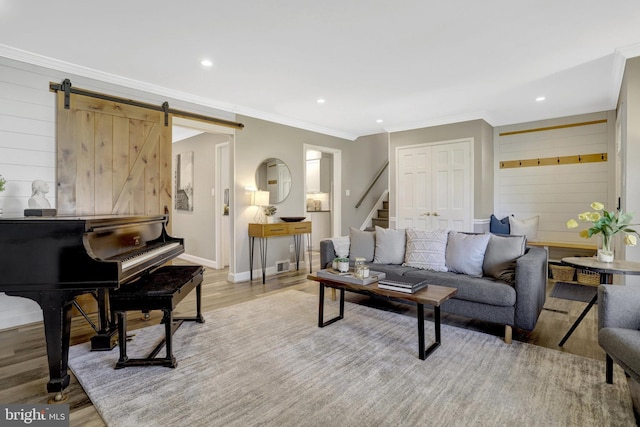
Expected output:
(359, 267)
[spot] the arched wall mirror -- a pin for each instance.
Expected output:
(273, 175)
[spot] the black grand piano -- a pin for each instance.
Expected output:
(51, 260)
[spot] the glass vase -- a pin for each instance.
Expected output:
(605, 251)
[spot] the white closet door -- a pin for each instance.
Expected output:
(434, 186)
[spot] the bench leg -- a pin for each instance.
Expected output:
(122, 339)
(168, 329)
(507, 334)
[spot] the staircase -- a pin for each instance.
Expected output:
(382, 220)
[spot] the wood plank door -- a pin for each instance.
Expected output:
(112, 158)
(434, 186)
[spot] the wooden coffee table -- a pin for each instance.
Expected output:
(432, 295)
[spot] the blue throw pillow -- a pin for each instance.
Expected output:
(499, 226)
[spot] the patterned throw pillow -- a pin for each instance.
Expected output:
(426, 249)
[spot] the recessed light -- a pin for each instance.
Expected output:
(320, 101)
(206, 63)
(379, 121)
(540, 98)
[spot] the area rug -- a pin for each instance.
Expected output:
(265, 362)
(573, 292)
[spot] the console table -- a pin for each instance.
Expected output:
(264, 231)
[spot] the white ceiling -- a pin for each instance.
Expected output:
(411, 63)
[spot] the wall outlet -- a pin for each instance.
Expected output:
(347, 192)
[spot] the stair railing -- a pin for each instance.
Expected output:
(373, 182)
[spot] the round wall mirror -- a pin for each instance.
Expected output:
(273, 175)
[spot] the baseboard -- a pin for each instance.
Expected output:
(197, 260)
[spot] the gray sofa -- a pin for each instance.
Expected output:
(516, 304)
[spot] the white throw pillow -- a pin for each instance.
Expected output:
(525, 227)
(426, 249)
(390, 246)
(465, 253)
(341, 246)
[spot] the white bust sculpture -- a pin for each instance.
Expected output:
(38, 190)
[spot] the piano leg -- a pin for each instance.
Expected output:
(57, 327)
(105, 339)
(56, 312)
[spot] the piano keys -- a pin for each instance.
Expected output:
(51, 260)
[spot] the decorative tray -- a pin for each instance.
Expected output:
(350, 277)
(292, 218)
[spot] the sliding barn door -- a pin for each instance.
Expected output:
(113, 158)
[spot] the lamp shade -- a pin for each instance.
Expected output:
(261, 198)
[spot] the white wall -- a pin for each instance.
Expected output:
(555, 193)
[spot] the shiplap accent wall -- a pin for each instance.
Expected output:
(28, 145)
(27, 136)
(555, 193)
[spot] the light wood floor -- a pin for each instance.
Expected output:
(23, 362)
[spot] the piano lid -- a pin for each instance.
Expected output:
(72, 252)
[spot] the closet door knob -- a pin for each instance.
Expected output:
(436, 214)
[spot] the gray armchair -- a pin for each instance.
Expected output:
(619, 328)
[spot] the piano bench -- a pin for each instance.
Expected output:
(162, 289)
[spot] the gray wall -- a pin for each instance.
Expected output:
(482, 134)
(362, 159)
(260, 140)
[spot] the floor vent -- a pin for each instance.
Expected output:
(282, 266)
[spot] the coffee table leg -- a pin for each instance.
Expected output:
(422, 354)
(321, 322)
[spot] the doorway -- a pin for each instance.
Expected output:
(323, 188)
(207, 228)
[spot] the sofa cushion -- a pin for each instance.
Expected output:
(465, 253)
(499, 226)
(426, 249)
(476, 289)
(500, 257)
(390, 246)
(525, 227)
(363, 244)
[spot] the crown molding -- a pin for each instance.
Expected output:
(445, 120)
(630, 51)
(66, 67)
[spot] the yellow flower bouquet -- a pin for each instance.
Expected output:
(607, 223)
